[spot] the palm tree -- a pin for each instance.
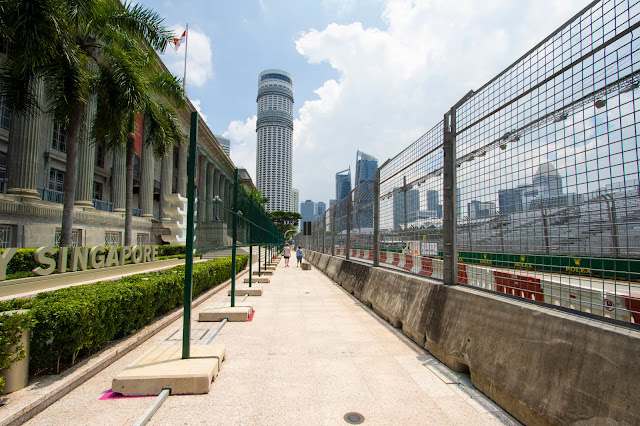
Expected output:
(130, 83)
(61, 43)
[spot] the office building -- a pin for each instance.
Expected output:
(402, 217)
(366, 166)
(479, 209)
(343, 184)
(322, 207)
(510, 201)
(274, 130)
(308, 211)
(224, 143)
(295, 200)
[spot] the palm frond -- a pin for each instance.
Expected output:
(170, 87)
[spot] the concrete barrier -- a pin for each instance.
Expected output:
(542, 365)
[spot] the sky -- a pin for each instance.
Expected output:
(372, 75)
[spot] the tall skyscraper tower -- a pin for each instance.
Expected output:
(366, 166)
(274, 145)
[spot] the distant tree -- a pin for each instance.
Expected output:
(257, 197)
(285, 221)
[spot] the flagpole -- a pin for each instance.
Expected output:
(186, 49)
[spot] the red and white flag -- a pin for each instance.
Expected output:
(178, 41)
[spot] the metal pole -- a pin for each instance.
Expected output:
(404, 191)
(234, 224)
(333, 231)
(450, 261)
(376, 219)
(348, 197)
(324, 232)
(188, 272)
(250, 261)
(259, 272)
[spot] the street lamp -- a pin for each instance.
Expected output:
(216, 200)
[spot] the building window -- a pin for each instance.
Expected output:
(111, 238)
(59, 140)
(76, 237)
(142, 239)
(5, 115)
(97, 191)
(56, 180)
(99, 156)
(5, 236)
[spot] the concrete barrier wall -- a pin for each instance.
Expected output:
(541, 365)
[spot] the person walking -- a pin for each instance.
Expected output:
(299, 256)
(286, 253)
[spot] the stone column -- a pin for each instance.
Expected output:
(222, 214)
(86, 159)
(210, 169)
(119, 181)
(166, 182)
(183, 153)
(22, 161)
(146, 181)
(202, 188)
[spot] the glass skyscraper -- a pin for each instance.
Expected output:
(366, 166)
(274, 147)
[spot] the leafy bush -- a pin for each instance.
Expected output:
(76, 321)
(11, 351)
(170, 250)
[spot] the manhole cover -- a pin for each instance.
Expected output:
(354, 418)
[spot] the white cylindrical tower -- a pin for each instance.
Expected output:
(274, 146)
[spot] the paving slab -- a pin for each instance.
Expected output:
(231, 314)
(162, 367)
(262, 280)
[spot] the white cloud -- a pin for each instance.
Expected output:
(396, 83)
(197, 104)
(243, 143)
(199, 60)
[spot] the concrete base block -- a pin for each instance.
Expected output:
(235, 314)
(267, 273)
(162, 367)
(251, 291)
(263, 280)
(306, 266)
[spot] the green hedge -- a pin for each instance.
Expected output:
(77, 321)
(23, 261)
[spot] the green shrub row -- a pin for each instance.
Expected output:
(76, 321)
(23, 261)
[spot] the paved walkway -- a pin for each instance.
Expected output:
(311, 354)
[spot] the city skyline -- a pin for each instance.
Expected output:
(331, 48)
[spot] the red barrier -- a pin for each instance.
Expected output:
(519, 285)
(354, 253)
(408, 262)
(361, 254)
(370, 256)
(462, 274)
(383, 256)
(426, 266)
(633, 305)
(396, 259)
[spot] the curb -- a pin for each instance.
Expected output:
(93, 366)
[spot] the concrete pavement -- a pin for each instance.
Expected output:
(310, 355)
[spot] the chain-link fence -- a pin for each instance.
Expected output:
(542, 201)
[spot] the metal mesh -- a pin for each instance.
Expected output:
(547, 199)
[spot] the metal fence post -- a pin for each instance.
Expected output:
(376, 219)
(324, 232)
(450, 254)
(333, 231)
(348, 244)
(234, 224)
(188, 272)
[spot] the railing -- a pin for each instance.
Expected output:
(136, 212)
(529, 186)
(105, 206)
(51, 195)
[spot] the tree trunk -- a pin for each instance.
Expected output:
(71, 174)
(128, 218)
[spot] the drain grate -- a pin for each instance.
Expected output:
(354, 418)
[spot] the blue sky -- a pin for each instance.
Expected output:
(371, 75)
